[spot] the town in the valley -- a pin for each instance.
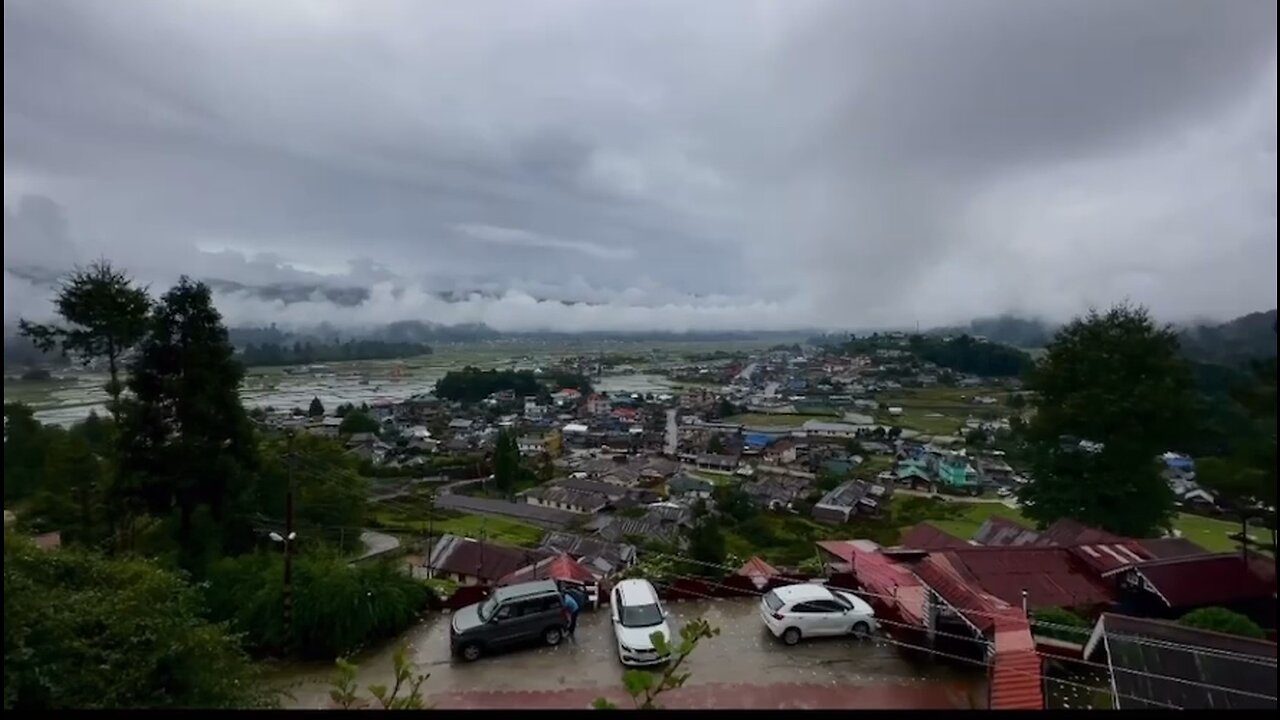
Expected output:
(859, 468)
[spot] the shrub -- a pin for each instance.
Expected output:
(337, 607)
(1222, 620)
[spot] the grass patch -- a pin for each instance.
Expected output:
(494, 529)
(928, 422)
(970, 517)
(1213, 534)
(715, 478)
(873, 465)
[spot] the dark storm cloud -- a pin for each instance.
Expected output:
(710, 164)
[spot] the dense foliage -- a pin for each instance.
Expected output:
(471, 384)
(1115, 379)
(184, 479)
(330, 495)
(104, 315)
(975, 357)
(1224, 621)
(186, 441)
(1061, 624)
(337, 607)
(304, 353)
(83, 631)
(358, 421)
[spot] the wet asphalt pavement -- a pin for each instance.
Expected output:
(743, 652)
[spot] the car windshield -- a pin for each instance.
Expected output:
(487, 609)
(641, 615)
(773, 601)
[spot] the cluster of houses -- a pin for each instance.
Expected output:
(991, 586)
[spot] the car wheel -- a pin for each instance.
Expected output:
(861, 630)
(791, 636)
(471, 652)
(552, 636)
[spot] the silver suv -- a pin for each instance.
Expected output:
(513, 615)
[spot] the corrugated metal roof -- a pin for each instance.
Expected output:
(757, 567)
(1016, 681)
(924, 536)
(1175, 670)
(1050, 576)
(1210, 579)
(559, 567)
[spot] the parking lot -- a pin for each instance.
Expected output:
(744, 666)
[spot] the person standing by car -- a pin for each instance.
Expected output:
(571, 608)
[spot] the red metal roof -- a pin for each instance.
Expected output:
(1208, 579)
(924, 536)
(560, 567)
(890, 584)
(1015, 673)
(1051, 576)
(841, 549)
(976, 606)
(757, 568)
(1015, 680)
(1105, 557)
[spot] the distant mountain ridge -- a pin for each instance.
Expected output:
(1236, 342)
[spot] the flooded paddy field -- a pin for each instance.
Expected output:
(73, 393)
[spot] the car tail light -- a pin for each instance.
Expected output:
(778, 616)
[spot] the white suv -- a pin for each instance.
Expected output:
(809, 610)
(637, 614)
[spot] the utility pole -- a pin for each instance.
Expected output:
(431, 541)
(288, 551)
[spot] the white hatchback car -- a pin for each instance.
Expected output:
(637, 614)
(809, 610)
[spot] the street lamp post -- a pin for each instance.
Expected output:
(287, 540)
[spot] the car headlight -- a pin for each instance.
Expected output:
(625, 648)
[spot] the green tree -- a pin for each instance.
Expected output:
(1115, 379)
(330, 495)
(734, 502)
(69, 499)
(506, 462)
(24, 451)
(316, 409)
(338, 608)
(358, 421)
(82, 631)
(715, 445)
(706, 545)
(1224, 621)
(186, 441)
(104, 315)
(976, 437)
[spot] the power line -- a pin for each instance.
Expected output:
(898, 643)
(983, 641)
(986, 613)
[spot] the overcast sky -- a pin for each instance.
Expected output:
(666, 165)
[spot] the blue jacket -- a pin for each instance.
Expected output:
(571, 604)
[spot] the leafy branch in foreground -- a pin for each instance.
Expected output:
(645, 687)
(344, 690)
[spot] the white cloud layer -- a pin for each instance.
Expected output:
(653, 164)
